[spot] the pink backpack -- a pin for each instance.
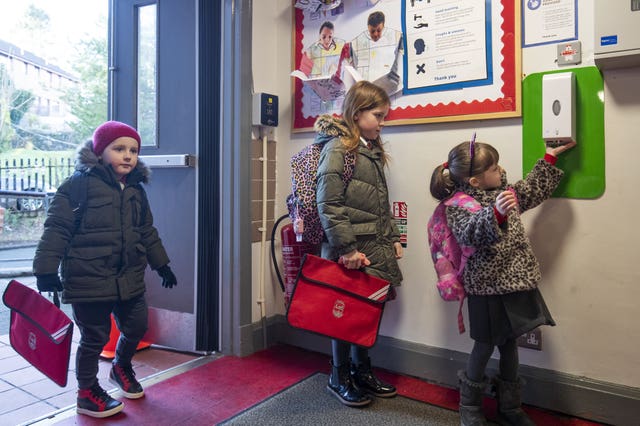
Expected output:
(449, 259)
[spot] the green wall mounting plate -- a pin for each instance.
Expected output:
(584, 164)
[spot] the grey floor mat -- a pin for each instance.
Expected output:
(309, 403)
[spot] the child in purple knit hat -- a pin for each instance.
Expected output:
(97, 242)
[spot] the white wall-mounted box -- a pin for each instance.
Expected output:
(559, 108)
(617, 33)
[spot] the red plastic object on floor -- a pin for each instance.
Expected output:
(109, 350)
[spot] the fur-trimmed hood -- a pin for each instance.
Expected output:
(87, 161)
(329, 127)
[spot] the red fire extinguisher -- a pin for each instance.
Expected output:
(292, 253)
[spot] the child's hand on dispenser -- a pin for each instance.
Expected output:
(556, 150)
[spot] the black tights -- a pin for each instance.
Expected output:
(340, 351)
(481, 353)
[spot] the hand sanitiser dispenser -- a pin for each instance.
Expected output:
(558, 108)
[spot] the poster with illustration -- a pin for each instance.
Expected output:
(439, 60)
(449, 45)
(340, 48)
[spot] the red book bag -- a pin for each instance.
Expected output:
(331, 300)
(449, 258)
(40, 332)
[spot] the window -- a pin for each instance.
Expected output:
(146, 73)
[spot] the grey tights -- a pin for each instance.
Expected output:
(481, 353)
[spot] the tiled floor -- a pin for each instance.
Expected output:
(26, 395)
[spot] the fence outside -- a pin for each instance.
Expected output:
(34, 174)
(26, 184)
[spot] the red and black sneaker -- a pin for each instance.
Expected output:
(95, 402)
(125, 379)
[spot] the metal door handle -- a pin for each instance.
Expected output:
(164, 161)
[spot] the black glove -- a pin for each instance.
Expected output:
(167, 275)
(48, 283)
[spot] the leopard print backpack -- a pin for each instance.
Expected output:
(301, 203)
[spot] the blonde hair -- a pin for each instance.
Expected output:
(362, 96)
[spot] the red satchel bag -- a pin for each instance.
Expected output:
(40, 332)
(337, 302)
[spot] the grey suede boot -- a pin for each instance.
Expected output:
(509, 403)
(471, 394)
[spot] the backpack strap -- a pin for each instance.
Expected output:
(349, 167)
(460, 199)
(78, 197)
(461, 328)
(467, 202)
(145, 205)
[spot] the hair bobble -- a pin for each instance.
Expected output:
(445, 165)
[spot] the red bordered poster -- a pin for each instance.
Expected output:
(496, 96)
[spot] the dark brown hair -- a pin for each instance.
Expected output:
(326, 24)
(375, 19)
(459, 168)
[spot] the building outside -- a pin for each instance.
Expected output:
(46, 82)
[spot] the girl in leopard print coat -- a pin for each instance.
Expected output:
(501, 276)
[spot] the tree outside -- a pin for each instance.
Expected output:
(53, 94)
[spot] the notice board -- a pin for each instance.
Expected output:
(450, 60)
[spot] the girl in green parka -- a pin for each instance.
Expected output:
(101, 250)
(359, 228)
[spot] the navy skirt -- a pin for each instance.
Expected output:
(495, 319)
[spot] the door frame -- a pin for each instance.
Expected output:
(236, 331)
(224, 40)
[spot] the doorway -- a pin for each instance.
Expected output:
(155, 79)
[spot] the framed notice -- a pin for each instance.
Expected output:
(549, 21)
(438, 60)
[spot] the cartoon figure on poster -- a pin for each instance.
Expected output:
(346, 48)
(327, 52)
(465, 45)
(321, 68)
(376, 54)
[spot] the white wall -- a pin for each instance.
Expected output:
(586, 247)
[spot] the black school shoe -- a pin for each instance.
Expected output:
(363, 377)
(342, 387)
(125, 379)
(95, 402)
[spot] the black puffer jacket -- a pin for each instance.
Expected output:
(106, 257)
(359, 216)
